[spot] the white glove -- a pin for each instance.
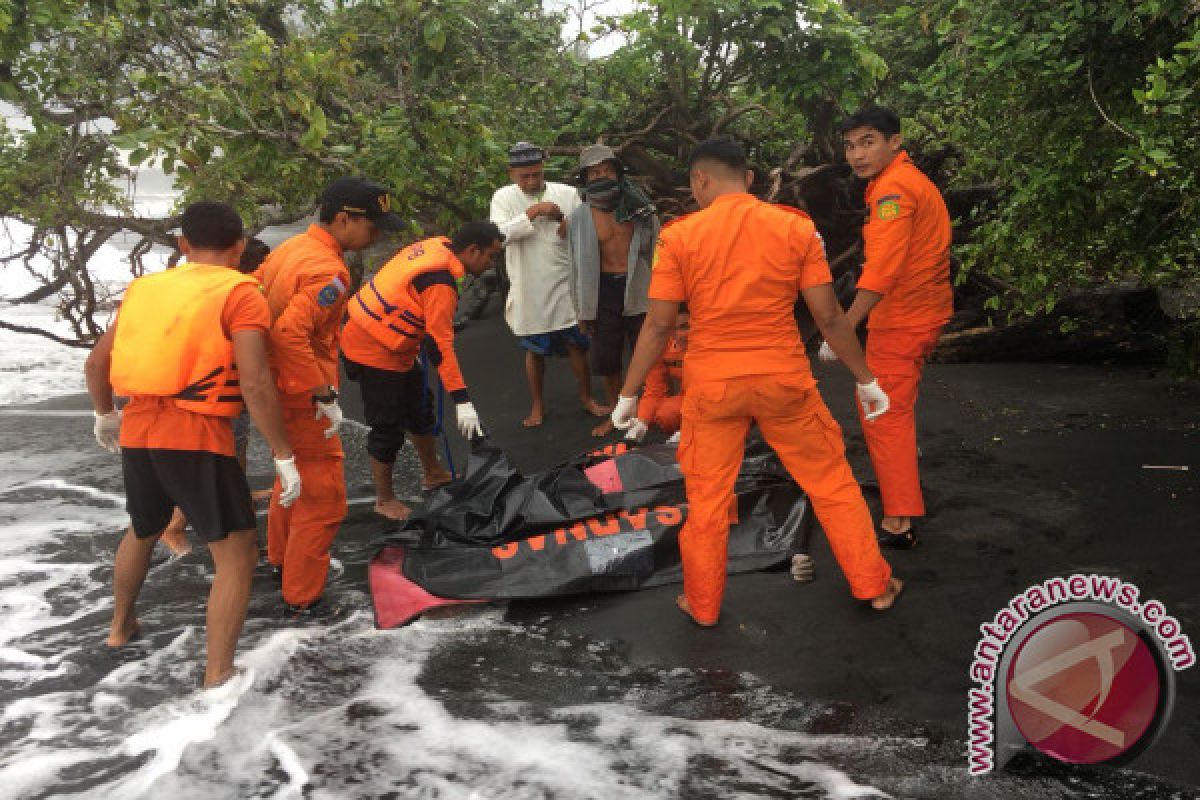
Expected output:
(468, 421)
(108, 430)
(332, 412)
(826, 354)
(874, 400)
(289, 480)
(674, 439)
(637, 431)
(625, 412)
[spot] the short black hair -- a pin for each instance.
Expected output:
(210, 225)
(881, 119)
(478, 232)
(723, 149)
(255, 253)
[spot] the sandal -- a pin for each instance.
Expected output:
(905, 540)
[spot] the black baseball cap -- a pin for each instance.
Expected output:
(365, 197)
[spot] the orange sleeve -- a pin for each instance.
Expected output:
(666, 277)
(886, 237)
(655, 389)
(320, 294)
(246, 309)
(439, 298)
(810, 250)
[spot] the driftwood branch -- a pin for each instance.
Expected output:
(8, 326)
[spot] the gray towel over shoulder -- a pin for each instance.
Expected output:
(584, 247)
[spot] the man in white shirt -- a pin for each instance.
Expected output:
(531, 214)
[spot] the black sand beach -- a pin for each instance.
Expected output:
(1032, 471)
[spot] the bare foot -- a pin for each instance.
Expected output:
(603, 429)
(595, 409)
(534, 419)
(119, 636)
(392, 509)
(433, 480)
(223, 678)
(685, 607)
(888, 598)
(176, 541)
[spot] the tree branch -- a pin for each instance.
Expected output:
(1096, 103)
(47, 334)
(734, 113)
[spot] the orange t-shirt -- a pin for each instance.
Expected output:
(306, 283)
(907, 245)
(156, 422)
(739, 265)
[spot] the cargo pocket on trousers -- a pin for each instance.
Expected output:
(698, 401)
(830, 429)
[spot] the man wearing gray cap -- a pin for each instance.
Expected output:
(611, 240)
(531, 213)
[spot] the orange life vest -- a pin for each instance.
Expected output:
(388, 306)
(169, 341)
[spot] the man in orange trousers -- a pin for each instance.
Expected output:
(904, 294)
(306, 284)
(739, 264)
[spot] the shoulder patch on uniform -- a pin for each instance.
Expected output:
(330, 293)
(888, 207)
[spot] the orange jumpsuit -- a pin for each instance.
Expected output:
(907, 245)
(305, 280)
(661, 405)
(739, 265)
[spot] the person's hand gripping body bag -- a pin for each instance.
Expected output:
(625, 412)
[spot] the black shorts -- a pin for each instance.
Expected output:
(613, 327)
(393, 403)
(209, 489)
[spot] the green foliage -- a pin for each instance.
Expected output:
(1083, 114)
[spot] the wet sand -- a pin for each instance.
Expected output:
(1031, 471)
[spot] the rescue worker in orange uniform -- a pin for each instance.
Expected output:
(739, 264)
(306, 283)
(410, 301)
(187, 346)
(905, 297)
(661, 404)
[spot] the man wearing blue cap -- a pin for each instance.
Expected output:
(530, 212)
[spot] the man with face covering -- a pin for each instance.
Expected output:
(611, 238)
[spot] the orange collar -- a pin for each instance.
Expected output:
(325, 237)
(901, 158)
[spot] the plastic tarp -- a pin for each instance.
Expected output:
(608, 520)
